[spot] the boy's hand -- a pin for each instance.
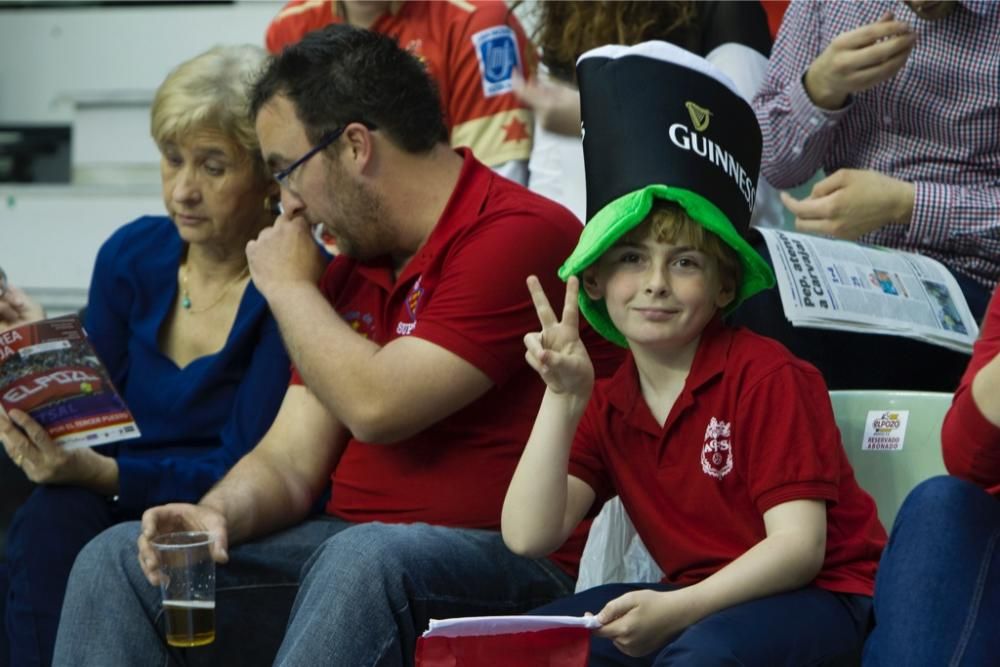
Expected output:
(556, 352)
(642, 621)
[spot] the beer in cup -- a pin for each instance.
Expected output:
(187, 581)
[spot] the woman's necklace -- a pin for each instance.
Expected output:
(186, 296)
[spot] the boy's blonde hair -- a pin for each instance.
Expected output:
(210, 91)
(669, 223)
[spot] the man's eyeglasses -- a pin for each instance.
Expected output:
(324, 141)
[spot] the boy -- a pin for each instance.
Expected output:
(721, 445)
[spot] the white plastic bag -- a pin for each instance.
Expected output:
(614, 552)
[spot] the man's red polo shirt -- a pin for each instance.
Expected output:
(465, 291)
(753, 428)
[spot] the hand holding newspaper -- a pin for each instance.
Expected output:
(833, 284)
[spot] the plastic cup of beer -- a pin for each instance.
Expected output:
(187, 581)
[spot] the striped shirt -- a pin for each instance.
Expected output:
(936, 124)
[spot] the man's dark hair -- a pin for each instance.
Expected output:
(342, 74)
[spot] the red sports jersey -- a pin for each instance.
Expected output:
(753, 428)
(970, 441)
(470, 49)
(465, 291)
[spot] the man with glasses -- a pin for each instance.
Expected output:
(411, 389)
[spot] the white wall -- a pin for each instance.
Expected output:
(95, 69)
(48, 56)
(112, 59)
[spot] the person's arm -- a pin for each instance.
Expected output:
(275, 485)
(809, 84)
(272, 487)
(544, 503)
(852, 202)
(479, 102)
(970, 436)
(467, 337)
(26, 442)
(556, 104)
(145, 482)
(788, 558)
(382, 394)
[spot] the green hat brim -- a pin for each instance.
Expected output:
(621, 215)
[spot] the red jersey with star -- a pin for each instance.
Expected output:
(464, 290)
(753, 428)
(470, 49)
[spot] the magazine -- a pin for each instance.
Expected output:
(49, 370)
(834, 284)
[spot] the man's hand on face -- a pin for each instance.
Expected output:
(284, 254)
(857, 60)
(852, 202)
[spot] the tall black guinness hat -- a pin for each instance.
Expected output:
(662, 123)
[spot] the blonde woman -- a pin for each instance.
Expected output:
(187, 339)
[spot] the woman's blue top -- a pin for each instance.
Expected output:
(196, 421)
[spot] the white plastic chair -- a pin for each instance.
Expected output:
(889, 474)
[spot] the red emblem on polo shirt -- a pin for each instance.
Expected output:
(717, 454)
(363, 323)
(412, 304)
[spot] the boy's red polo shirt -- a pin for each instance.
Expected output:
(753, 428)
(465, 291)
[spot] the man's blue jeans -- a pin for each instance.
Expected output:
(937, 594)
(325, 592)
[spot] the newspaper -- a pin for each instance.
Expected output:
(49, 370)
(833, 284)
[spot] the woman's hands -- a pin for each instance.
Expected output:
(45, 462)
